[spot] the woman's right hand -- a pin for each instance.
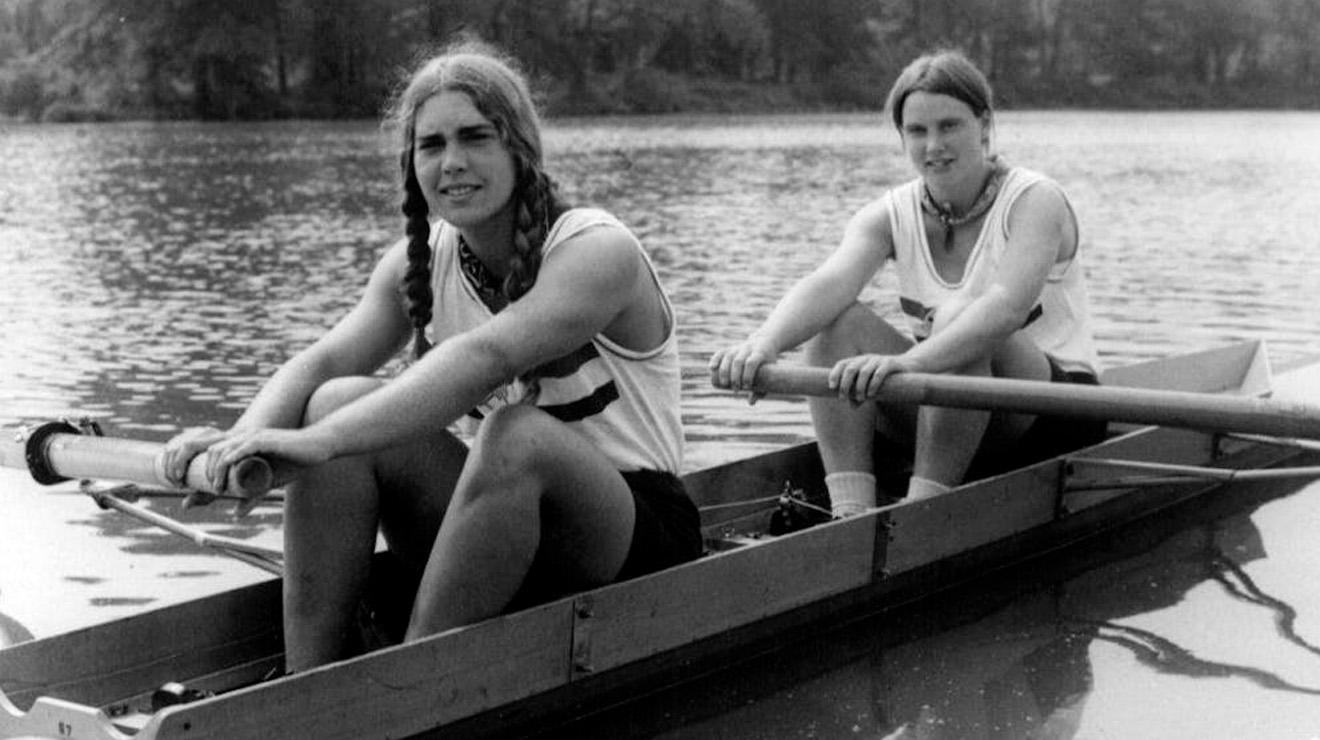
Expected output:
(858, 379)
(202, 448)
(735, 367)
(180, 451)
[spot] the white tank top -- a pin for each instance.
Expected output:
(624, 401)
(1060, 322)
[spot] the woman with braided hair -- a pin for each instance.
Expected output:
(542, 327)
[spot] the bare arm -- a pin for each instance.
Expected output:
(814, 301)
(582, 287)
(359, 344)
(1041, 232)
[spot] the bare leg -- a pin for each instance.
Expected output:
(331, 518)
(948, 439)
(532, 490)
(844, 432)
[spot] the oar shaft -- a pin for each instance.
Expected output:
(1204, 411)
(87, 456)
(261, 557)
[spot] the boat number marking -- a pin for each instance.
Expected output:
(65, 729)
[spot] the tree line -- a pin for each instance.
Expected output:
(243, 59)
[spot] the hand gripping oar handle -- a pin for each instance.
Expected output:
(1205, 411)
(57, 451)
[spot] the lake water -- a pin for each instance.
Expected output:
(151, 275)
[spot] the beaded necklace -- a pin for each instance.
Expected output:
(943, 212)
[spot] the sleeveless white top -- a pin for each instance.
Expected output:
(1060, 322)
(624, 401)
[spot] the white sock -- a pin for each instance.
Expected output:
(920, 488)
(851, 493)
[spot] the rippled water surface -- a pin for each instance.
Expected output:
(154, 274)
(151, 275)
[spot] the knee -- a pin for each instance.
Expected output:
(856, 331)
(839, 338)
(337, 393)
(1020, 357)
(510, 441)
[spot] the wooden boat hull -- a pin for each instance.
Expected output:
(598, 647)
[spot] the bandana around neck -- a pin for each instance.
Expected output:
(943, 212)
(488, 287)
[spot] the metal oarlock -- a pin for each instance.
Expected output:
(35, 439)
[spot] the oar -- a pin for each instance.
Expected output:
(266, 558)
(56, 451)
(1204, 411)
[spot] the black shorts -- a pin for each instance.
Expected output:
(1048, 436)
(668, 526)
(667, 531)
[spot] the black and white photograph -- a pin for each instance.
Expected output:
(731, 369)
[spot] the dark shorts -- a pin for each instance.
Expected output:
(1048, 436)
(667, 531)
(668, 527)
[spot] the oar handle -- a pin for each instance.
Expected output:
(791, 380)
(250, 477)
(1205, 411)
(56, 451)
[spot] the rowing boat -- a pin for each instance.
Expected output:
(599, 647)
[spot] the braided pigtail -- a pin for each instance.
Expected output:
(417, 278)
(538, 205)
(532, 219)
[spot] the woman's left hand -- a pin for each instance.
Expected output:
(858, 379)
(284, 448)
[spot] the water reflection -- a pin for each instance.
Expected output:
(1235, 580)
(1160, 633)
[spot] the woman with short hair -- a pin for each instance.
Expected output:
(990, 278)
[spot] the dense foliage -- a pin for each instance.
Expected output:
(68, 59)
